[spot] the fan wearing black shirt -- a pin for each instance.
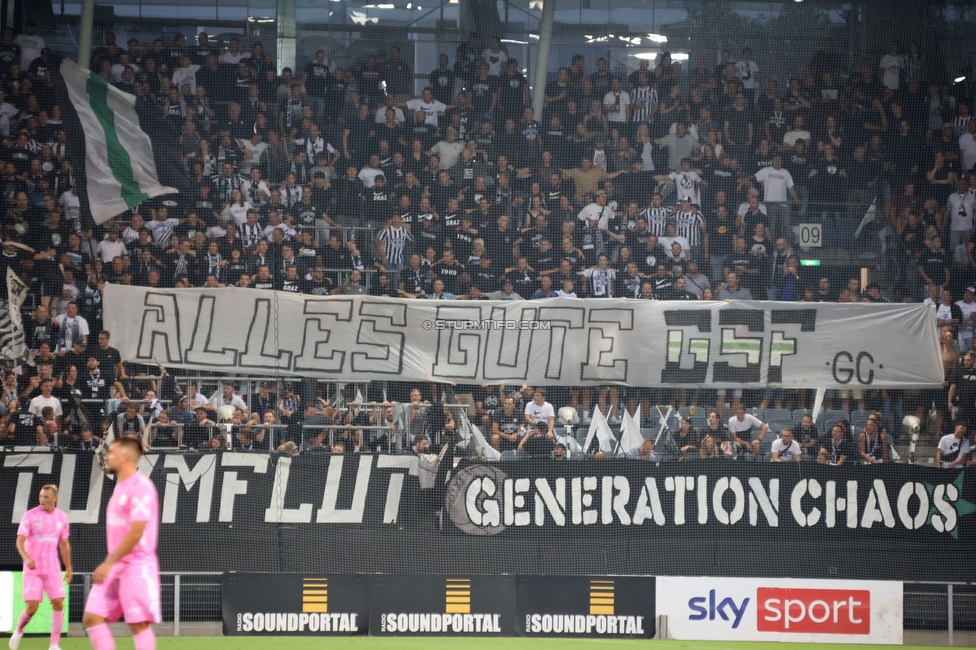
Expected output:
(484, 276)
(462, 240)
(933, 265)
(291, 283)
(317, 283)
(837, 445)
(48, 241)
(442, 81)
(543, 259)
(25, 425)
(450, 271)
(506, 424)
(413, 278)
(536, 442)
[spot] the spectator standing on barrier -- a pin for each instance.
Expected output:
(785, 448)
(953, 449)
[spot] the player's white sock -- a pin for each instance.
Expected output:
(14, 641)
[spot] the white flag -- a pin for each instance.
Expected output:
(631, 437)
(119, 162)
(600, 429)
(13, 345)
(869, 216)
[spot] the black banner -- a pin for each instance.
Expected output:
(802, 503)
(450, 605)
(596, 606)
(291, 604)
(367, 514)
(244, 500)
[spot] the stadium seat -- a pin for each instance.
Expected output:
(799, 413)
(777, 414)
(512, 454)
(766, 444)
(833, 415)
(861, 415)
(699, 420)
(776, 426)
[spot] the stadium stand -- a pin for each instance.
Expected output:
(656, 181)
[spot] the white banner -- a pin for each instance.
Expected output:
(760, 609)
(13, 346)
(546, 342)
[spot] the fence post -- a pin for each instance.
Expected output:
(176, 605)
(949, 613)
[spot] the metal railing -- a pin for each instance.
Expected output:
(185, 597)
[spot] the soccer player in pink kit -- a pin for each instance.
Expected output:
(127, 582)
(43, 531)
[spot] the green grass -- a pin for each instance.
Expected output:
(434, 643)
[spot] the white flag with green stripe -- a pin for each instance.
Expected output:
(119, 161)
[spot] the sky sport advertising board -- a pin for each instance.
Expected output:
(759, 609)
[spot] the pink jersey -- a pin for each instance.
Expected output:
(134, 499)
(44, 531)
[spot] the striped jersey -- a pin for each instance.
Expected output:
(394, 240)
(689, 225)
(250, 235)
(642, 101)
(601, 282)
(657, 220)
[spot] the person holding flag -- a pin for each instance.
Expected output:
(104, 125)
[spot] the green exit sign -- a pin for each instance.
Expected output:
(809, 262)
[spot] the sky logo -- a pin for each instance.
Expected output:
(703, 608)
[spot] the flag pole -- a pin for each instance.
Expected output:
(85, 33)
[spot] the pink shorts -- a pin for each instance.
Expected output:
(38, 584)
(132, 591)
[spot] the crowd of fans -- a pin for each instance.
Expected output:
(699, 174)
(654, 183)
